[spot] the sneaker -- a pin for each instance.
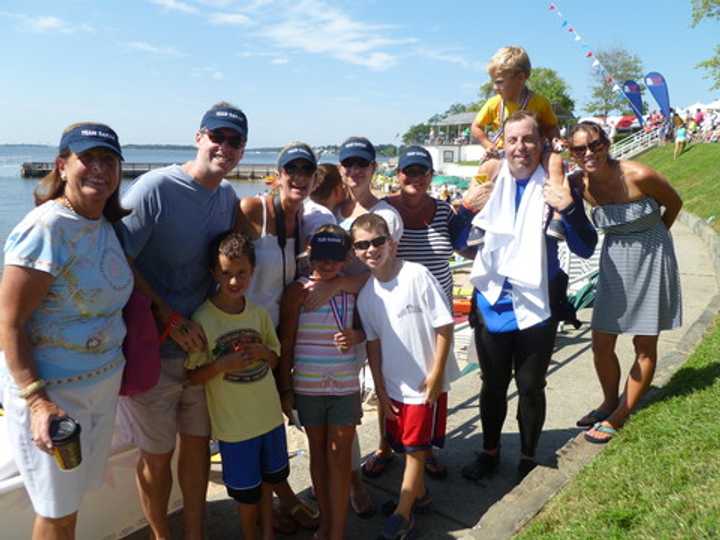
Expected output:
(556, 229)
(484, 466)
(476, 237)
(397, 528)
(524, 467)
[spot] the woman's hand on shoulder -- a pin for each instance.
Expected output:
(477, 195)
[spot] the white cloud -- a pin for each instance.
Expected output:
(208, 71)
(175, 5)
(451, 56)
(315, 27)
(144, 46)
(229, 19)
(47, 23)
(308, 26)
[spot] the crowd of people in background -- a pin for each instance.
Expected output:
(268, 307)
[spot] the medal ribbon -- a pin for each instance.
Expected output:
(340, 313)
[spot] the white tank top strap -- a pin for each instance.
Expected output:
(263, 200)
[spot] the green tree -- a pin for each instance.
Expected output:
(620, 64)
(547, 83)
(416, 134)
(708, 9)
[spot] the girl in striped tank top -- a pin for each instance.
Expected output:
(318, 356)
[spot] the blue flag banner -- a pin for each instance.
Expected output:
(658, 88)
(633, 93)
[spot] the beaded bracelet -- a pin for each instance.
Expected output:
(171, 324)
(32, 388)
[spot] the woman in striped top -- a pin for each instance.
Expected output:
(429, 225)
(317, 345)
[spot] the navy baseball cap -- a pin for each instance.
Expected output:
(357, 147)
(86, 136)
(415, 155)
(225, 117)
(295, 151)
(329, 246)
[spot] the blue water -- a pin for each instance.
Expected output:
(16, 192)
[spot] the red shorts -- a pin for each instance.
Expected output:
(417, 427)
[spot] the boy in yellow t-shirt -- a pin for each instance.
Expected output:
(510, 69)
(236, 369)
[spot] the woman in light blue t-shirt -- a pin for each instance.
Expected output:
(64, 285)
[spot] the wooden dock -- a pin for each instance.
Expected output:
(252, 172)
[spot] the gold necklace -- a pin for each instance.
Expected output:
(66, 203)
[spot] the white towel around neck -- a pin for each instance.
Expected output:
(514, 247)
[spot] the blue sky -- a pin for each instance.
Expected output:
(307, 69)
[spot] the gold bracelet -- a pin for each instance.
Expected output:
(32, 388)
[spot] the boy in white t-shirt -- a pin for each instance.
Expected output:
(409, 333)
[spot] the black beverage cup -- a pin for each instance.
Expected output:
(65, 436)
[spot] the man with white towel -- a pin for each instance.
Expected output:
(520, 290)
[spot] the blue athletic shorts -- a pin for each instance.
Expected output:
(247, 464)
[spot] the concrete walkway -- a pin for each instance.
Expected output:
(465, 510)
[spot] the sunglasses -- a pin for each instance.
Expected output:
(362, 245)
(593, 146)
(295, 168)
(355, 162)
(415, 172)
(218, 137)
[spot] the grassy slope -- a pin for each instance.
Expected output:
(695, 174)
(661, 477)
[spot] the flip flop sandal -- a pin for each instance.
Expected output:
(281, 522)
(421, 505)
(375, 465)
(305, 516)
(363, 506)
(592, 418)
(435, 469)
(602, 428)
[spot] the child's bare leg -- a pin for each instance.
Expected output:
(318, 441)
(266, 512)
(556, 176)
(413, 483)
(248, 520)
(339, 460)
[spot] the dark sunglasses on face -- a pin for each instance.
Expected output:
(355, 162)
(362, 245)
(415, 172)
(296, 168)
(593, 146)
(218, 137)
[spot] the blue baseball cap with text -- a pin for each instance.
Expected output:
(357, 147)
(415, 155)
(295, 151)
(87, 136)
(225, 117)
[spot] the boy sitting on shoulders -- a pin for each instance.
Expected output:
(409, 332)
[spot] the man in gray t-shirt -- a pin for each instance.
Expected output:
(176, 213)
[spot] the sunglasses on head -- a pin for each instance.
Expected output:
(355, 162)
(593, 146)
(218, 137)
(362, 245)
(300, 168)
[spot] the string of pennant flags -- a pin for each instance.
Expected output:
(596, 64)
